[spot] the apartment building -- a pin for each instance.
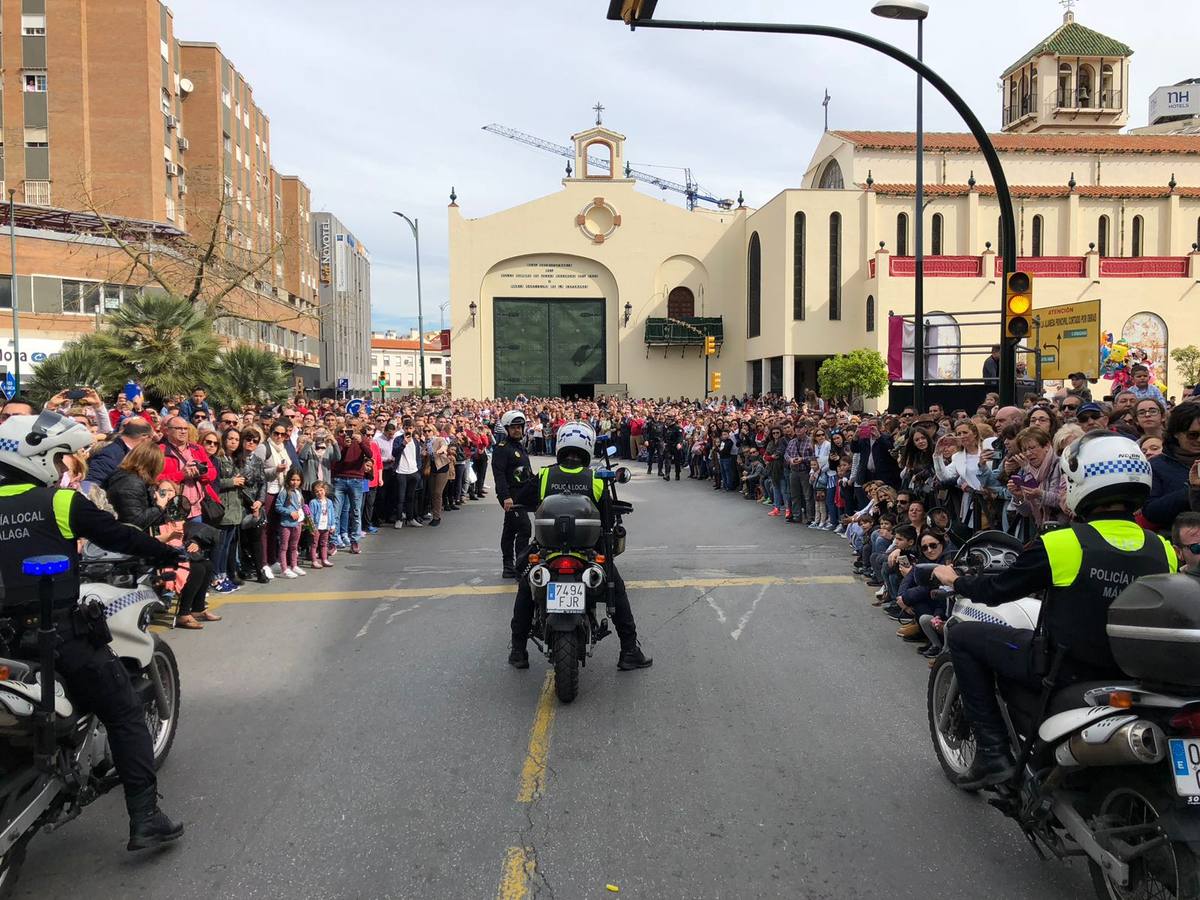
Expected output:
(400, 357)
(344, 288)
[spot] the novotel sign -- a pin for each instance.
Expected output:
(326, 253)
(1177, 100)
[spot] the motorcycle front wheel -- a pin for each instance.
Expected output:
(953, 741)
(1170, 869)
(162, 728)
(564, 652)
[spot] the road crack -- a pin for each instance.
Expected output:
(703, 596)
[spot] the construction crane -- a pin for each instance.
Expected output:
(689, 189)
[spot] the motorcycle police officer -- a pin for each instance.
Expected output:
(575, 444)
(1082, 568)
(510, 467)
(38, 518)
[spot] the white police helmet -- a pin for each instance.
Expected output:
(33, 444)
(512, 417)
(575, 436)
(1102, 468)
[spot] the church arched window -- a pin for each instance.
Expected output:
(1037, 236)
(799, 251)
(835, 267)
(936, 235)
(870, 313)
(1135, 245)
(1065, 93)
(831, 177)
(754, 287)
(1102, 236)
(902, 234)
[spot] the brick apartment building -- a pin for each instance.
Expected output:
(125, 132)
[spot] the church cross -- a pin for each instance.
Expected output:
(825, 103)
(599, 109)
(1068, 5)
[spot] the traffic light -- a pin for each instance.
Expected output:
(710, 346)
(631, 10)
(383, 379)
(714, 382)
(1018, 305)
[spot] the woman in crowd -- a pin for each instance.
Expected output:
(253, 498)
(956, 463)
(1043, 417)
(777, 474)
(915, 603)
(1038, 488)
(191, 578)
(1150, 418)
(223, 451)
(916, 464)
(276, 455)
(1181, 452)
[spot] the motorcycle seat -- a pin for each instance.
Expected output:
(1023, 701)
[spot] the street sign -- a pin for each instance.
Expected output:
(343, 384)
(10, 386)
(1069, 336)
(354, 407)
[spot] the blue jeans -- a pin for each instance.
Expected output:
(221, 552)
(347, 494)
(727, 472)
(783, 499)
(831, 505)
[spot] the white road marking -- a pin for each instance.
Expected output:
(720, 612)
(476, 580)
(727, 546)
(401, 612)
(375, 613)
(737, 632)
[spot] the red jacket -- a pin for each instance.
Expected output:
(173, 465)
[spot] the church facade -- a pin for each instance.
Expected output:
(599, 285)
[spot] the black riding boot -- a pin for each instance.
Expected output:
(518, 656)
(993, 763)
(149, 826)
(632, 657)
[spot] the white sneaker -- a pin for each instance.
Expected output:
(288, 573)
(415, 523)
(277, 568)
(299, 571)
(881, 592)
(267, 573)
(399, 524)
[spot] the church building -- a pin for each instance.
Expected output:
(599, 285)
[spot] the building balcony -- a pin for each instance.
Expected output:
(1040, 266)
(689, 332)
(1105, 102)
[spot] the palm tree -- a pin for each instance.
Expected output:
(84, 363)
(167, 341)
(246, 374)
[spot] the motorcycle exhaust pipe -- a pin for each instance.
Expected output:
(593, 577)
(539, 576)
(1136, 743)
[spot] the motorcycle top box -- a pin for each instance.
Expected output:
(1154, 629)
(566, 522)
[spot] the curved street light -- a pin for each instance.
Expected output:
(413, 224)
(1008, 224)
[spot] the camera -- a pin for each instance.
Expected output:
(201, 468)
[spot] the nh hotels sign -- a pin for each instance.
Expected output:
(1177, 100)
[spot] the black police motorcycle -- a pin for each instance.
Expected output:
(571, 571)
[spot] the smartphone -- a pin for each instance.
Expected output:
(132, 390)
(76, 394)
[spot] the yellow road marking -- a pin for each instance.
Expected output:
(518, 868)
(489, 590)
(533, 773)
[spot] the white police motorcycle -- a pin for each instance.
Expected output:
(54, 759)
(1106, 770)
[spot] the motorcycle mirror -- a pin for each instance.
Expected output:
(611, 450)
(624, 476)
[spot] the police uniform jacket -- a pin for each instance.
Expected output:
(510, 467)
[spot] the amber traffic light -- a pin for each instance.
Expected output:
(1018, 305)
(710, 346)
(715, 381)
(629, 11)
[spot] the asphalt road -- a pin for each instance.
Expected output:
(357, 734)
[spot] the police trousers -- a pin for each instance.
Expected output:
(514, 536)
(622, 616)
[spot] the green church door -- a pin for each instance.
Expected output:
(541, 345)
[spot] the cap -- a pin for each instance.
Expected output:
(1077, 376)
(1089, 408)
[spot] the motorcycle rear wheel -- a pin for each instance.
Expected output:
(1169, 871)
(162, 731)
(564, 651)
(955, 748)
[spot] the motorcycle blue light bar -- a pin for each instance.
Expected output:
(605, 473)
(37, 566)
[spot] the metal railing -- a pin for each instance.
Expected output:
(1104, 101)
(682, 332)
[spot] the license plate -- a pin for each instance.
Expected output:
(566, 597)
(1185, 764)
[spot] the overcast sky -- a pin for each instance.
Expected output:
(378, 104)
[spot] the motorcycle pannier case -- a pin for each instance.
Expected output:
(566, 522)
(1154, 630)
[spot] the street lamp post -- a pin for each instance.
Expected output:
(413, 224)
(637, 14)
(912, 10)
(12, 288)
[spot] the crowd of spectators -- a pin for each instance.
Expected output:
(277, 491)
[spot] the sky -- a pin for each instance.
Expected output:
(378, 104)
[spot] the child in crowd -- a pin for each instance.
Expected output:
(844, 491)
(899, 563)
(290, 505)
(1151, 446)
(320, 514)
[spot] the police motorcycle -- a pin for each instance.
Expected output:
(570, 576)
(1106, 770)
(54, 759)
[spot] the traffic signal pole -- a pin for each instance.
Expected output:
(1008, 221)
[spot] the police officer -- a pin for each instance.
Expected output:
(672, 448)
(652, 432)
(36, 519)
(510, 467)
(575, 445)
(1082, 569)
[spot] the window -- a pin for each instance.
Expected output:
(36, 137)
(835, 267)
(1064, 86)
(33, 25)
(870, 313)
(1037, 236)
(1108, 98)
(935, 239)
(681, 303)
(1102, 236)
(1000, 236)
(1135, 245)
(831, 177)
(598, 160)
(80, 296)
(35, 82)
(225, 98)
(1024, 94)
(226, 143)
(902, 234)
(754, 287)
(165, 102)
(1084, 93)
(798, 266)
(37, 193)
